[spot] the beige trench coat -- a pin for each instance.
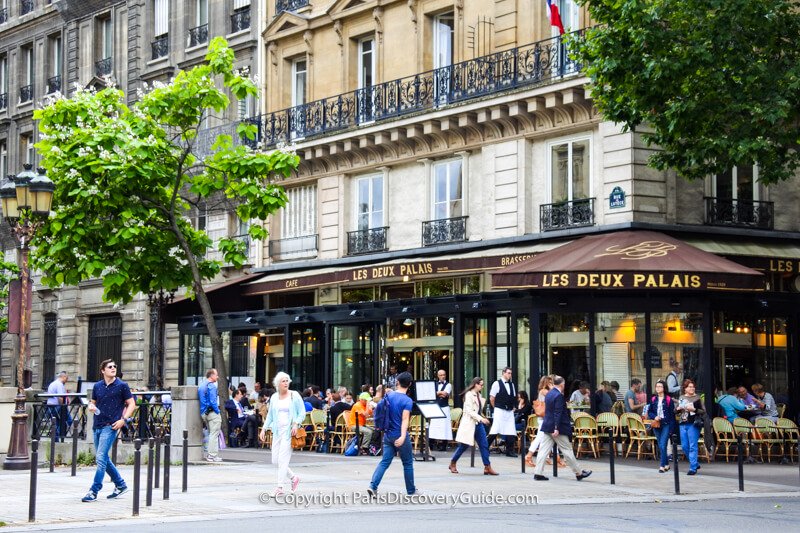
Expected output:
(471, 415)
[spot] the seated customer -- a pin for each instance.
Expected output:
(337, 408)
(731, 404)
(602, 400)
(766, 403)
(313, 397)
(239, 419)
(361, 410)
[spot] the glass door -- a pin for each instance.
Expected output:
(476, 350)
(305, 362)
(353, 356)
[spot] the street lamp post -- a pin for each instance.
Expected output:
(157, 301)
(26, 201)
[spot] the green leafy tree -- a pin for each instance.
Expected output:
(128, 178)
(8, 272)
(716, 82)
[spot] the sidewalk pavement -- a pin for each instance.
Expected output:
(245, 481)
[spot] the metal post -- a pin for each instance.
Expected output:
(74, 447)
(166, 466)
(32, 494)
(53, 422)
(185, 464)
(555, 459)
(472, 456)
(522, 448)
(612, 451)
(114, 448)
(157, 465)
(675, 464)
(740, 461)
(150, 460)
(137, 463)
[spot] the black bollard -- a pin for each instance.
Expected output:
(522, 450)
(612, 451)
(114, 448)
(740, 461)
(555, 460)
(53, 437)
(148, 501)
(34, 467)
(137, 463)
(74, 447)
(675, 464)
(185, 460)
(472, 455)
(157, 465)
(166, 466)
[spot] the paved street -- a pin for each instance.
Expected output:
(333, 488)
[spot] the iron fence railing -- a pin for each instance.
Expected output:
(102, 67)
(240, 19)
(444, 231)
(739, 213)
(293, 248)
(562, 215)
(26, 6)
(160, 46)
(367, 241)
(198, 35)
(26, 93)
(65, 414)
(53, 84)
(4, 101)
(288, 5)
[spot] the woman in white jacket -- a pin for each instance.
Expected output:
(286, 413)
(472, 427)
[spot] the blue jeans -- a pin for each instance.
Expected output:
(103, 440)
(662, 436)
(690, 434)
(480, 440)
(406, 456)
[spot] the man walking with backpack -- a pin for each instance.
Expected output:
(392, 415)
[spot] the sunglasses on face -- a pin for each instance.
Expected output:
(111, 366)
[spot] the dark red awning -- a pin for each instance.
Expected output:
(629, 260)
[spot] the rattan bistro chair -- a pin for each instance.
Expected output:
(770, 437)
(725, 437)
(605, 421)
(585, 432)
(341, 434)
(791, 435)
(645, 444)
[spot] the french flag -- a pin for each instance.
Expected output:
(555, 16)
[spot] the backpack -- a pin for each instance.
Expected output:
(351, 448)
(381, 414)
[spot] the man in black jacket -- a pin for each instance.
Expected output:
(557, 429)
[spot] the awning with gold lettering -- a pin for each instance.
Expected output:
(629, 260)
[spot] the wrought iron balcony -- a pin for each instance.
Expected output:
(288, 5)
(26, 93)
(160, 46)
(367, 241)
(102, 67)
(240, 19)
(304, 247)
(525, 66)
(198, 35)
(53, 84)
(25, 6)
(562, 215)
(3, 15)
(740, 213)
(444, 231)
(4, 101)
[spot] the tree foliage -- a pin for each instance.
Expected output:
(8, 271)
(718, 81)
(128, 177)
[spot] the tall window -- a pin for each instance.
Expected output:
(299, 217)
(3, 159)
(240, 356)
(105, 342)
(366, 62)
(443, 40)
(447, 190)
(569, 15)
(369, 202)
(49, 351)
(569, 171)
(299, 77)
(106, 38)
(54, 78)
(201, 217)
(26, 148)
(4, 74)
(202, 13)
(738, 183)
(160, 18)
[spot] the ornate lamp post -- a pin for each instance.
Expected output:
(157, 301)
(26, 201)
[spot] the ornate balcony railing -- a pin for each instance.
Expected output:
(198, 35)
(288, 5)
(562, 215)
(4, 101)
(524, 66)
(160, 46)
(367, 241)
(102, 67)
(26, 93)
(3, 15)
(240, 19)
(304, 247)
(65, 414)
(739, 213)
(53, 84)
(444, 231)
(25, 6)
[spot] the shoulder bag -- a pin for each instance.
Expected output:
(299, 439)
(538, 408)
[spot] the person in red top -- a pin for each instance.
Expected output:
(362, 410)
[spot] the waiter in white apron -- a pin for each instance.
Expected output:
(440, 428)
(503, 397)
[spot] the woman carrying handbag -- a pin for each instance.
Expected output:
(661, 410)
(286, 413)
(472, 428)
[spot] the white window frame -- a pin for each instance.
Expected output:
(29, 148)
(295, 85)
(299, 217)
(3, 159)
(29, 65)
(569, 141)
(107, 37)
(463, 198)
(437, 41)
(201, 13)
(55, 44)
(735, 184)
(4, 74)
(370, 179)
(160, 18)
(570, 16)
(361, 65)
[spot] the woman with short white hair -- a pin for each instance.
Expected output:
(286, 413)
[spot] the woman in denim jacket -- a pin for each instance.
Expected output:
(662, 408)
(286, 413)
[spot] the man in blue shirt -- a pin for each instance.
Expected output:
(209, 412)
(57, 405)
(112, 404)
(731, 405)
(396, 438)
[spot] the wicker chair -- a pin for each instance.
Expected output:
(770, 436)
(748, 431)
(585, 431)
(455, 418)
(317, 431)
(605, 421)
(725, 436)
(645, 444)
(341, 434)
(791, 434)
